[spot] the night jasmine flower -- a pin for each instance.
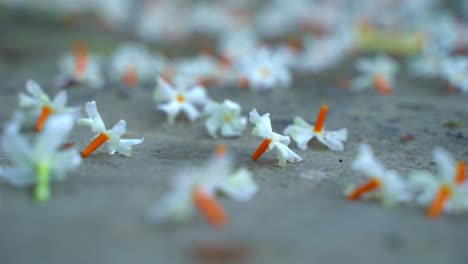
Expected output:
(271, 140)
(447, 191)
(182, 97)
(302, 132)
(81, 67)
(38, 102)
(40, 162)
(384, 185)
(111, 136)
(196, 189)
(378, 73)
(226, 118)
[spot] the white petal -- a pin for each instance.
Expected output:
(197, 96)
(65, 161)
(445, 163)
(34, 89)
(176, 206)
(125, 146)
(212, 125)
(262, 124)
(300, 135)
(60, 99)
(334, 139)
(366, 163)
(164, 91)
(284, 153)
(54, 134)
(190, 110)
(26, 101)
(172, 109)
(118, 129)
(239, 186)
(94, 120)
(19, 176)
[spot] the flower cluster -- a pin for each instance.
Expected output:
(447, 191)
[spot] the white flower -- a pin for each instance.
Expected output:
(80, 67)
(322, 53)
(378, 73)
(37, 102)
(200, 70)
(111, 136)
(43, 161)
(266, 70)
(446, 191)
(385, 185)
(133, 64)
(429, 63)
(197, 189)
(272, 140)
(179, 98)
(235, 46)
(455, 71)
(302, 132)
(224, 117)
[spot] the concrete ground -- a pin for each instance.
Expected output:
(299, 214)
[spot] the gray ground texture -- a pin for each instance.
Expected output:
(299, 214)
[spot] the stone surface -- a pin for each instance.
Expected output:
(299, 214)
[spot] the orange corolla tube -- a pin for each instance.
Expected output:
(368, 186)
(210, 208)
(261, 149)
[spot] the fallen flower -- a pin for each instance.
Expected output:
(80, 67)
(38, 102)
(197, 188)
(265, 70)
(224, 117)
(133, 64)
(447, 191)
(378, 72)
(111, 136)
(455, 71)
(385, 185)
(302, 132)
(44, 160)
(272, 140)
(179, 98)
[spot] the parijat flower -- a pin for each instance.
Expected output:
(111, 136)
(271, 140)
(197, 188)
(265, 70)
(224, 117)
(38, 103)
(133, 64)
(182, 97)
(384, 185)
(81, 68)
(455, 71)
(378, 73)
(302, 132)
(42, 161)
(429, 63)
(447, 191)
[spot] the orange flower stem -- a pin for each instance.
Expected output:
(368, 186)
(261, 149)
(94, 145)
(80, 51)
(321, 119)
(45, 113)
(439, 201)
(130, 77)
(382, 85)
(210, 208)
(460, 176)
